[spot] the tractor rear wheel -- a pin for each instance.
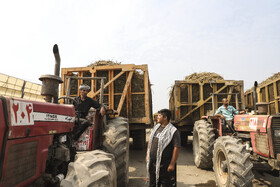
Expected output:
(203, 141)
(117, 142)
(232, 165)
(94, 168)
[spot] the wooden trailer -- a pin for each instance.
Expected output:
(127, 90)
(192, 99)
(269, 92)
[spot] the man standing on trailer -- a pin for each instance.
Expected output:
(163, 151)
(227, 112)
(82, 105)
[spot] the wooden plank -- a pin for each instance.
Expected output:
(93, 81)
(80, 74)
(200, 104)
(101, 92)
(188, 104)
(242, 95)
(143, 67)
(190, 97)
(138, 93)
(230, 91)
(216, 97)
(201, 91)
(128, 81)
(177, 109)
(75, 69)
(62, 90)
(190, 93)
(179, 100)
(213, 104)
(108, 83)
(129, 102)
(236, 102)
(275, 96)
(124, 67)
(147, 96)
(111, 90)
(202, 108)
(267, 98)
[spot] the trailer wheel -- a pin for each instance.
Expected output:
(94, 168)
(139, 139)
(232, 165)
(117, 142)
(203, 141)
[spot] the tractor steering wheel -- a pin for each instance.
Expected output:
(69, 100)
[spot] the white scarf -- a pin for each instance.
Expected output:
(164, 139)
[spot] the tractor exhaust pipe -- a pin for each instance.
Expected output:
(50, 83)
(255, 96)
(57, 60)
(56, 69)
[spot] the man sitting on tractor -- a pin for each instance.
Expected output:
(227, 112)
(82, 105)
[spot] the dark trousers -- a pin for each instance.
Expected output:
(80, 127)
(228, 124)
(166, 179)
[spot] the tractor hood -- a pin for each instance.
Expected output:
(32, 118)
(251, 123)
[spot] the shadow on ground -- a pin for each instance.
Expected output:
(137, 168)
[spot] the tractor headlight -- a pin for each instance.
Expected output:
(277, 133)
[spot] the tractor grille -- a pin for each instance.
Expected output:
(21, 164)
(261, 143)
(275, 125)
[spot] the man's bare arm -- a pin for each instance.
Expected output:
(220, 115)
(175, 156)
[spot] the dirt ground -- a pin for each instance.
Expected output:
(187, 173)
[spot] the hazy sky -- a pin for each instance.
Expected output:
(238, 39)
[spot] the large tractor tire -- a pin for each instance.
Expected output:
(232, 165)
(203, 142)
(117, 142)
(94, 169)
(139, 139)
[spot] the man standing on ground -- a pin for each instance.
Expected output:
(226, 112)
(163, 151)
(82, 105)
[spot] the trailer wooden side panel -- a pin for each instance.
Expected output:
(190, 100)
(270, 93)
(127, 89)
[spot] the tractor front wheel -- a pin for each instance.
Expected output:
(231, 162)
(94, 168)
(203, 141)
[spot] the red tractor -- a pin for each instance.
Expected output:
(253, 143)
(37, 147)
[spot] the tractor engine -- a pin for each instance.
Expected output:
(59, 155)
(34, 138)
(263, 133)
